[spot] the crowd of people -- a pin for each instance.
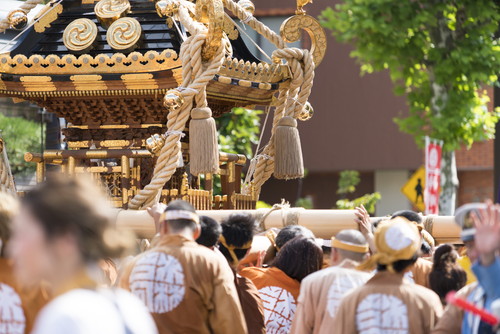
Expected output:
(64, 268)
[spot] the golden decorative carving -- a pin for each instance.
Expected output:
(230, 29)
(79, 35)
(108, 11)
(124, 34)
(211, 13)
(306, 113)
(256, 72)
(17, 19)
(47, 15)
(88, 82)
(173, 100)
(139, 81)
(166, 8)
(151, 61)
(300, 6)
(291, 32)
(38, 83)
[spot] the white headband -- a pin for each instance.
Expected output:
(180, 214)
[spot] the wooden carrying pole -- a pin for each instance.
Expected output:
(324, 223)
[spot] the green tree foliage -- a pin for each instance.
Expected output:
(20, 136)
(348, 181)
(239, 131)
(440, 54)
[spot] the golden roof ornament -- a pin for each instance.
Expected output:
(124, 34)
(300, 6)
(18, 19)
(108, 11)
(79, 35)
(166, 8)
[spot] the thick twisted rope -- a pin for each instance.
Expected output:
(290, 103)
(6, 180)
(26, 6)
(195, 79)
(252, 22)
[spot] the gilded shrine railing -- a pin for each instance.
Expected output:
(119, 171)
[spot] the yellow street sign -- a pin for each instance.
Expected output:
(414, 189)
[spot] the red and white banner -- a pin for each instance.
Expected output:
(433, 150)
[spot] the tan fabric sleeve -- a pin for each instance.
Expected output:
(450, 322)
(226, 317)
(303, 321)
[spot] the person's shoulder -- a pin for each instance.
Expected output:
(426, 295)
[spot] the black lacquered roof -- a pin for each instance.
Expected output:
(157, 35)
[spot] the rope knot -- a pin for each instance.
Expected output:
(201, 113)
(288, 121)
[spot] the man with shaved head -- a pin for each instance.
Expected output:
(321, 292)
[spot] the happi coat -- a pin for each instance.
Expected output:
(388, 303)
(19, 305)
(186, 287)
(279, 294)
(321, 294)
(251, 304)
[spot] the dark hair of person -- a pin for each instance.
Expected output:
(181, 224)
(291, 231)
(299, 257)
(408, 214)
(400, 265)
(238, 230)
(425, 248)
(65, 205)
(210, 232)
(446, 275)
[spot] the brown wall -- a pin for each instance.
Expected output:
(353, 126)
(322, 187)
(475, 186)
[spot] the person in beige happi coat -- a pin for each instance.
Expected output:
(187, 287)
(388, 303)
(322, 291)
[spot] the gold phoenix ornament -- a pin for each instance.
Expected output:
(79, 35)
(124, 34)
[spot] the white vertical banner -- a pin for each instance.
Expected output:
(433, 153)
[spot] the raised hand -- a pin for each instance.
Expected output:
(487, 238)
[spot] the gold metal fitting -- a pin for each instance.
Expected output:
(166, 8)
(18, 19)
(307, 112)
(247, 5)
(155, 143)
(173, 100)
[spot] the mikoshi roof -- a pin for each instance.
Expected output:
(41, 67)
